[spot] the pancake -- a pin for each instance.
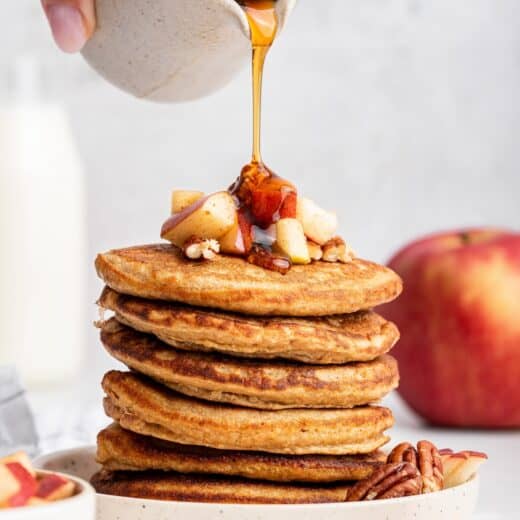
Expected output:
(256, 384)
(231, 283)
(361, 336)
(143, 406)
(193, 488)
(119, 449)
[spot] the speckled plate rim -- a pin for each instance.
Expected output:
(467, 491)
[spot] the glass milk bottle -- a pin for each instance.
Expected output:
(42, 235)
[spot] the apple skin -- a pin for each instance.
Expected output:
(459, 317)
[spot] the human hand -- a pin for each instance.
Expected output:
(72, 22)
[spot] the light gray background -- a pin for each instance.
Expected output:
(403, 115)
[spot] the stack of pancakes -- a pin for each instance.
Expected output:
(245, 385)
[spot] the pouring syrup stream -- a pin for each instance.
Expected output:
(260, 192)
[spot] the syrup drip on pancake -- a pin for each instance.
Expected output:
(262, 196)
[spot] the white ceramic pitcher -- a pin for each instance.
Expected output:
(171, 50)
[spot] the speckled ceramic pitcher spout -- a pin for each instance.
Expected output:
(171, 50)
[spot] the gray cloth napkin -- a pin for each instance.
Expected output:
(17, 428)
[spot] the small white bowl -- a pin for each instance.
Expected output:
(81, 506)
(451, 504)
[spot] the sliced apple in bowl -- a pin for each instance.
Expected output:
(208, 218)
(460, 467)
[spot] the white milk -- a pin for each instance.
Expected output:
(42, 239)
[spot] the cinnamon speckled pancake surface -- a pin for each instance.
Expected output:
(231, 283)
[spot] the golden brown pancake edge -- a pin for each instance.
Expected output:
(361, 336)
(123, 450)
(251, 383)
(145, 407)
(211, 489)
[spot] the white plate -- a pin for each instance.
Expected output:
(451, 504)
(79, 507)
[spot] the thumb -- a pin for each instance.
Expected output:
(72, 22)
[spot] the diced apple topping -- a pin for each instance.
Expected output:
(269, 215)
(209, 218)
(318, 225)
(291, 241)
(198, 248)
(182, 199)
(238, 240)
(460, 467)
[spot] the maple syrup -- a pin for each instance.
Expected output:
(262, 196)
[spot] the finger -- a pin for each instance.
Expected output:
(72, 22)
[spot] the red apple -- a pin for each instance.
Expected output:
(459, 316)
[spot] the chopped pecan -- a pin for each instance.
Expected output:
(430, 466)
(426, 458)
(335, 250)
(198, 248)
(263, 258)
(389, 481)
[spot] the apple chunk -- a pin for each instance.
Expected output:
(460, 467)
(238, 240)
(182, 199)
(27, 484)
(9, 486)
(21, 458)
(318, 225)
(208, 218)
(291, 241)
(54, 487)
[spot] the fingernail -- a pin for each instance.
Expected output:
(67, 27)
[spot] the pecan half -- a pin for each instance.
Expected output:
(336, 250)
(263, 258)
(315, 251)
(430, 466)
(404, 452)
(426, 458)
(389, 481)
(199, 248)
